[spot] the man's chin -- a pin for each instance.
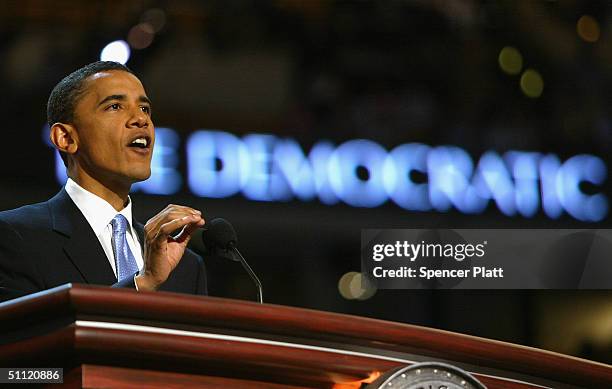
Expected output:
(139, 177)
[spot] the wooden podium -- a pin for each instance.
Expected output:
(121, 338)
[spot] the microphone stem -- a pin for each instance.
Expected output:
(248, 269)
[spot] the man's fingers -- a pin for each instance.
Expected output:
(187, 231)
(167, 228)
(171, 212)
(180, 208)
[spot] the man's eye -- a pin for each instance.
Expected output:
(114, 106)
(146, 109)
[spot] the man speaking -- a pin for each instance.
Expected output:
(100, 122)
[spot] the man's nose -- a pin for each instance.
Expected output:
(139, 119)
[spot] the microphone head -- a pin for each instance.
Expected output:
(219, 233)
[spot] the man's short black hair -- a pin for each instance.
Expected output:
(64, 96)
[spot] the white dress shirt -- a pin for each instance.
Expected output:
(99, 215)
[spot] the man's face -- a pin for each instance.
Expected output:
(115, 132)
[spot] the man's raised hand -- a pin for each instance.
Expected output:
(162, 251)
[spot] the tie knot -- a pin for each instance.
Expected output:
(119, 224)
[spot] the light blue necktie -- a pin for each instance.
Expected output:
(124, 259)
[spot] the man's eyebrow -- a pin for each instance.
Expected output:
(144, 99)
(112, 97)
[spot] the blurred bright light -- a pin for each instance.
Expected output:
(217, 164)
(450, 170)
(532, 84)
(260, 180)
(293, 172)
(577, 169)
(345, 182)
(141, 36)
(154, 17)
(344, 285)
(524, 166)
(401, 162)
(361, 287)
(510, 60)
(588, 28)
(493, 181)
(354, 286)
(117, 51)
(549, 168)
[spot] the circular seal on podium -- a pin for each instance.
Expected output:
(427, 375)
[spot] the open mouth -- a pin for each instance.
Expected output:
(142, 142)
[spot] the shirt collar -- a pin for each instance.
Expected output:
(96, 210)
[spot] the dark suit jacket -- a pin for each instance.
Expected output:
(48, 244)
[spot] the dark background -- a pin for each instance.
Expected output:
(393, 72)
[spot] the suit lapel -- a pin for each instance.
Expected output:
(139, 232)
(139, 228)
(82, 247)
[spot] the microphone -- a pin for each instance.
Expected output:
(219, 234)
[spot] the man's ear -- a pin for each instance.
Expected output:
(64, 137)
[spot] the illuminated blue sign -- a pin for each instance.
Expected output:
(362, 173)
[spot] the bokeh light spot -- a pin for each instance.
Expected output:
(117, 51)
(532, 84)
(344, 285)
(141, 36)
(510, 60)
(154, 17)
(588, 28)
(354, 286)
